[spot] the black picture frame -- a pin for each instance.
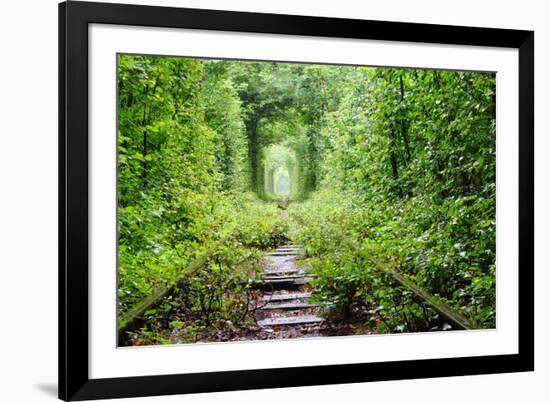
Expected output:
(74, 381)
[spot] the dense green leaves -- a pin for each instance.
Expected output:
(182, 174)
(414, 153)
(386, 168)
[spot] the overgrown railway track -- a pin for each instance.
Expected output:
(286, 310)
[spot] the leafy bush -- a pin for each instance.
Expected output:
(349, 249)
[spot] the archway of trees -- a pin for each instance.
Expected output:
(388, 171)
(281, 173)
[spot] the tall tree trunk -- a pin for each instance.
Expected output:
(253, 151)
(394, 162)
(394, 169)
(404, 128)
(393, 143)
(145, 123)
(144, 146)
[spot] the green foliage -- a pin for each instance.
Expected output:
(388, 168)
(182, 174)
(409, 164)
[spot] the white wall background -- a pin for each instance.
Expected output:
(28, 201)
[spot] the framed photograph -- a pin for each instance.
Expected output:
(257, 200)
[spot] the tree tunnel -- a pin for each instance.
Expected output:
(280, 172)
